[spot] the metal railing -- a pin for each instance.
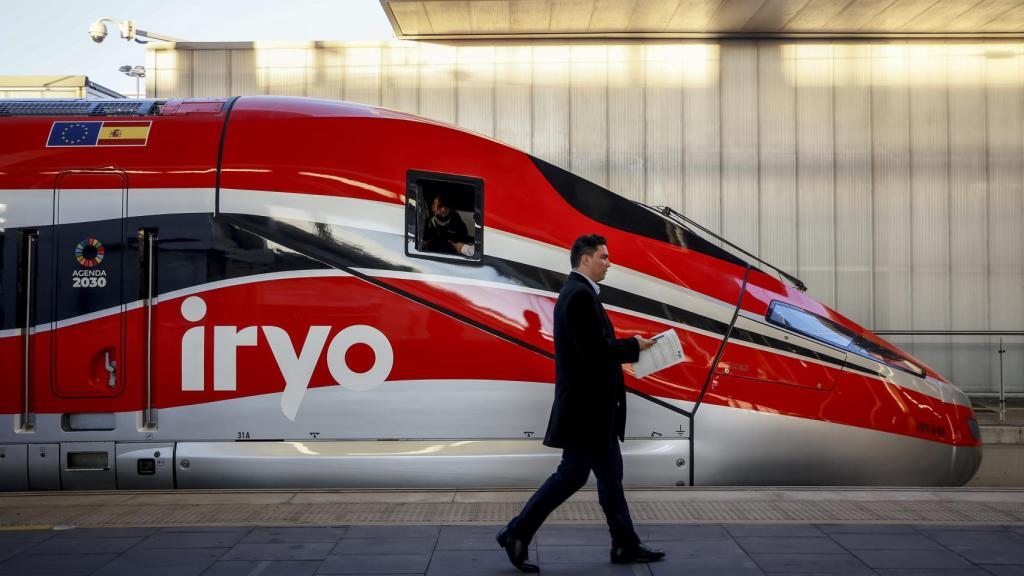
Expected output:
(982, 363)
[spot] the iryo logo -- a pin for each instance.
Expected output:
(297, 368)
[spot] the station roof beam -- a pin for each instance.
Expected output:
(495, 19)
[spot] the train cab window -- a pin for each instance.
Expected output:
(810, 325)
(444, 217)
(822, 330)
(884, 355)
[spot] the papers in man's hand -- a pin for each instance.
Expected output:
(667, 351)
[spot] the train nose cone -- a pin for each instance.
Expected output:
(967, 454)
(966, 461)
(966, 458)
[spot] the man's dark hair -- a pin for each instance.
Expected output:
(585, 245)
(443, 198)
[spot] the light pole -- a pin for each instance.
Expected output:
(136, 72)
(98, 31)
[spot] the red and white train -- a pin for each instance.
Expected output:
(233, 293)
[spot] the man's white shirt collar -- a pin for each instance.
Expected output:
(597, 289)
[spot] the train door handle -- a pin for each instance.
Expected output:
(111, 366)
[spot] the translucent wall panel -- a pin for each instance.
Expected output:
(663, 115)
(890, 147)
(740, 170)
(968, 185)
(437, 81)
(1005, 122)
(968, 166)
(702, 134)
(929, 205)
(853, 160)
(284, 70)
(777, 138)
(513, 111)
(551, 104)
(588, 113)
(399, 85)
(171, 73)
(929, 188)
(815, 199)
(328, 73)
(1004, 81)
(476, 89)
(244, 77)
(362, 74)
(626, 112)
(208, 76)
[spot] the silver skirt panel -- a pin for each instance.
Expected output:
(745, 447)
(406, 464)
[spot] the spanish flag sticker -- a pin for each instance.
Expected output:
(124, 134)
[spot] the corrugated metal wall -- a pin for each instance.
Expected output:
(888, 176)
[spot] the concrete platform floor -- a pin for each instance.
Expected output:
(347, 507)
(703, 530)
(463, 550)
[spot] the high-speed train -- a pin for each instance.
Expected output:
(236, 292)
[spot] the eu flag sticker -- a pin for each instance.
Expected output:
(74, 134)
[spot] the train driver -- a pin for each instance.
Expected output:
(444, 231)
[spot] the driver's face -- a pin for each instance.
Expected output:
(439, 208)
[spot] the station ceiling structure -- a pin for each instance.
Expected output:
(449, 19)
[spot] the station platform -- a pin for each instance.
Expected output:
(702, 530)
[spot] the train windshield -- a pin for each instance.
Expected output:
(887, 356)
(828, 332)
(810, 325)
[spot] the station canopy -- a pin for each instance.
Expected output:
(467, 19)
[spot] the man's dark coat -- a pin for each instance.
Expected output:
(590, 395)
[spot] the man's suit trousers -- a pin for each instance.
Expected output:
(570, 476)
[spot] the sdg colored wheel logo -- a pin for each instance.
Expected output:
(89, 252)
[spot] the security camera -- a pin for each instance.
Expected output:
(97, 31)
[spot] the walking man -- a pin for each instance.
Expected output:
(588, 417)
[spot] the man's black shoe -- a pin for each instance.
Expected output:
(638, 553)
(516, 550)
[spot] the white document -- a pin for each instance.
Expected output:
(667, 351)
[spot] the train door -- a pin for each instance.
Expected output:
(88, 343)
